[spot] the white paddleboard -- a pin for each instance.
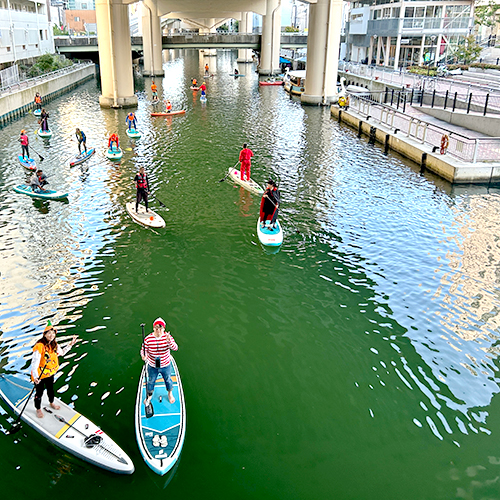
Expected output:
(268, 236)
(148, 219)
(251, 185)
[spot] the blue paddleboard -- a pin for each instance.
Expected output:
(46, 194)
(28, 163)
(76, 160)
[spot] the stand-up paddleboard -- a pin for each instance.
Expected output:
(133, 133)
(168, 420)
(37, 112)
(80, 158)
(233, 74)
(45, 133)
(148, 219)
(194, 88)
(203, 98)
(268, 236)
(250, 185)
(46, 194)
(180, 112)
(114, 153)
(28, 163)
(65, 427)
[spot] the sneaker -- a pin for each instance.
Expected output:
(147, 401)
(163, 441)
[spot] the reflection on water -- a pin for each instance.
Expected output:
(373, 329)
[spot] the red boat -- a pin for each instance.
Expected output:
(277, 82)
(181, 112)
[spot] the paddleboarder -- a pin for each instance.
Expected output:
(193, 82)
(37, 181)
(82, 139)
(142, 185)
(156, 352)
(113, 138)
(154, 90)
(23, 139)
(131, 120)
(246, 162)
(44, 365)
(206, 70)
(203, 88)
(269, 205)
(38, 101)
(168, 106)
(44, 120)
(236, 72)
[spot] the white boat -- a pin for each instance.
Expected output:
(250, 185)
(295, 81)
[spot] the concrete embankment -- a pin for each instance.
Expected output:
(445, 166)
(18, 102)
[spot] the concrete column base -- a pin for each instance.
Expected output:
(156, 72)
(317, 100)
(122, 102)
(243, 60)
(269, 72)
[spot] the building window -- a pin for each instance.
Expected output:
(41, 34)
(84, 6)
(76, 19)
(46, 35)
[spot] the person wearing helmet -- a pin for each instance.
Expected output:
(23, 139)
(155, 352)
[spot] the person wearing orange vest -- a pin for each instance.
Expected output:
(142, 185)
(154, 90)
(38, 101)
(194, 82)
(168, 106)
(206, 69)
(113, 138)
(131, 120)
(44, 365)
(246, 162)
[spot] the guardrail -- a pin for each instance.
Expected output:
(466, 149)
(31, 82)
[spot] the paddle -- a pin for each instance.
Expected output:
(90, 441)
(41, 157)
(160, 202)
(149, 408)
(16, 426)
(227, 175)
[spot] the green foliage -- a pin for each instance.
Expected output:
(291, 29)
(48, 63)
(485, 66)
(468, 51)
(485, 14)
(421, 70)
(58, 31)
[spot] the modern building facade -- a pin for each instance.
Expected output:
(25, 31)
(407, 33)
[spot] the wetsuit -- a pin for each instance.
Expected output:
(81, 140)
(269, 205)
(24, 145)
(246, 163)
(44, 121)
(131, 120)
(142, 185)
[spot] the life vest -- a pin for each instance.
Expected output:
(206, 67)
(80, 136)
(49, 360)
(169, 106)
(131, 117)
(38, 99)
(194, 82)
(154, 88)
(142, 183)
(113, 138)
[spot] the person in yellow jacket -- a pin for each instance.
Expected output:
(44, 365)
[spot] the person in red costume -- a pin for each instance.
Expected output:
(245, 159)
(113, 138)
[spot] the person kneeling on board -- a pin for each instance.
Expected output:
(156, 352)
(81, 140)
(246, 162)
(168, 106)
(131, 121)
(269, 205)
(23, 139)
(44, 365)
(37, 181)
(142, 185)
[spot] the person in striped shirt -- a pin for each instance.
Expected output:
(156, 352)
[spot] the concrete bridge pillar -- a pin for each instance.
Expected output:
(245, 26)
(271, 33)
(115, 54)
(152, 42)
(323, 44)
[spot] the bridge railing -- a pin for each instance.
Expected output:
(31, 82)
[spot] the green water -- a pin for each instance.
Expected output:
(360, 361)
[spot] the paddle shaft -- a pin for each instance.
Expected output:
(15, 424)
(71, 426)
(41, 157)
(145, 355)
(227, 175)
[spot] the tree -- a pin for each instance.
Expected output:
(59, 31)
(468, 51)
(485, 15)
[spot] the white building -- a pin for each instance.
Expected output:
(405, 33)
(25, 31)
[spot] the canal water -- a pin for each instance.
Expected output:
(359, 361)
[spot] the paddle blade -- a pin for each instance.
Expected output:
(149, 410)
(16, 427)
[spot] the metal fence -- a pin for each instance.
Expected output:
(466, 149)
(9, 76)
(9, 89)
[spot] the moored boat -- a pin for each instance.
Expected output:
(66, 428)
(294, 82)
(264, 83)
(180, 112)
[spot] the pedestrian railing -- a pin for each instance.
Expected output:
(466, 149)
(31, 82)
